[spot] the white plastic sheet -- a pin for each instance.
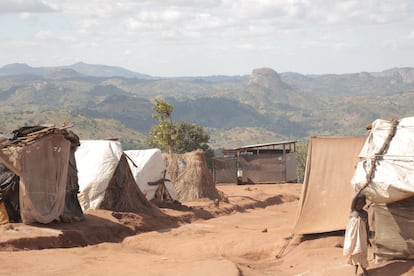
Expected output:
(149, 166)
(96, 161)
(393, 170)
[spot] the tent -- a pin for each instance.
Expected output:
(39, 157)
(105, 179)
(191, 176)
(326, 195)
(150, 173)
(9, 196)
(385, 174)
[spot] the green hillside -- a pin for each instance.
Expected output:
(235, 110)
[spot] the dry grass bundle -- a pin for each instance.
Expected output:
(123, 194)
(191, 177)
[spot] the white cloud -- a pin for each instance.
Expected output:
(87, 26)
(20, 6)
(167, 16)
(25, 16)
(95, 8)
(247, 47)
(134, 25)
(207, 31)
(54, 40)
(391, 44)
(44, 35)
(362, 12)
(341, 46)
(169, 35)
(18, 44)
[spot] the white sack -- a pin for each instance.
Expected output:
(96, 161)
(394, 170)
(149, 166)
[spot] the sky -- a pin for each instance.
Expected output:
(210, 37)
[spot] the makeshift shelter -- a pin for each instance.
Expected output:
(150, 173)
(191, 176)
(9, 196)
(105, 179)
(385, 174)
(326, 195)
(72, 210)
(39, 156)
(260, 163)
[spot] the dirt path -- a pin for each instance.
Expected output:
(241, 237)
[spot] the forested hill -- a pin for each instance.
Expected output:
(265, 106)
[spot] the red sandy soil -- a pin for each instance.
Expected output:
(249, 235)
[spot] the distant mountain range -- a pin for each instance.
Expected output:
(92, 70)
(265, 106)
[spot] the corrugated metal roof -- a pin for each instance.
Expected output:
(262, 145)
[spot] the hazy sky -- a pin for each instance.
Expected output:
(210, 37)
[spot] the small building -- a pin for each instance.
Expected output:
(261, 163)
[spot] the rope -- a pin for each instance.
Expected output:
(381, 151)
(283, 249)
(130, 159)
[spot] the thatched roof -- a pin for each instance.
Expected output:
(123, 194)
(191, 176)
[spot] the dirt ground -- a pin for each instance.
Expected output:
(250, 234)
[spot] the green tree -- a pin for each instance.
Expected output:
(162, 135)
(180, 137)
(190, 137)
(301, 157)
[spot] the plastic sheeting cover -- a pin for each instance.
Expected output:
(394, 230)
(149, 166)
(393, 177)
(96, 161)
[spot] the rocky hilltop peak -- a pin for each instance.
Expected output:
(407, 75)
(399, 74)
(267, 78)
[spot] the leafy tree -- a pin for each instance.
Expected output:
(301, 157)
(190, 137)
(162, 135)
(180, 137)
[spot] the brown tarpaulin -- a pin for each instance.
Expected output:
(394, 229)
(43, 169)
(327, 191)
(264, 168)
